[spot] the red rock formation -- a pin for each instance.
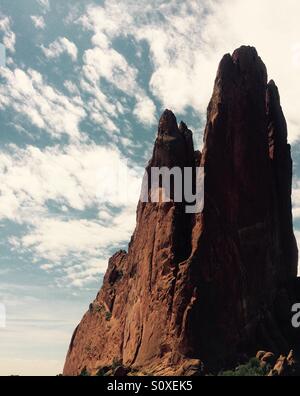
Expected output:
(205, 287)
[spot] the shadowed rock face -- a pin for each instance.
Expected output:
(212, 286)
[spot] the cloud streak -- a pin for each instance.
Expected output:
(38, 21)
(187, 40)
(60, 46)
(45, 107)
(8, 36)
(75, 180)
(182, 43)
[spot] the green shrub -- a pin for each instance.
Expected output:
(116, 363)
(108, 315)
(250, 369)
(96, 307)
(102, 371)
(84, 373)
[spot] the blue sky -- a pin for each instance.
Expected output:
(80, 95)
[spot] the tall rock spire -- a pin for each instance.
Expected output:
(211, 286)
(174, 145)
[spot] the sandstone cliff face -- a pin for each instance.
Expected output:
(206, 287)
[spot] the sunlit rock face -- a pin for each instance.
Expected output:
(213, 286)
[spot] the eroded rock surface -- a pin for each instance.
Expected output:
(205, 288)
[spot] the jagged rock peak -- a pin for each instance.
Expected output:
(244, 61)
(174, 145)
(167, 124)
(184, 129)
(182, 126)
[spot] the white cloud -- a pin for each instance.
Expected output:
(187, 40)
(296, 199)
(114, 68)
(80, 177)
(46, 108)
(145, 110)
(111, 65)
(45, 4)
(59, 46)
(101, 110)
(276, 37)
(173, 38)
(9, 37)
(38, 21)
(80, 248)
(71, 87)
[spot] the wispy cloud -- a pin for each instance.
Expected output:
(103, 62)
(59, 46)
(187, 40)
(296, 199)
(27, 93)
(80, 178)
(44, 4)
(38, 21)
(79, 249)
(182, 43)
(9, 37)
(77, 176)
